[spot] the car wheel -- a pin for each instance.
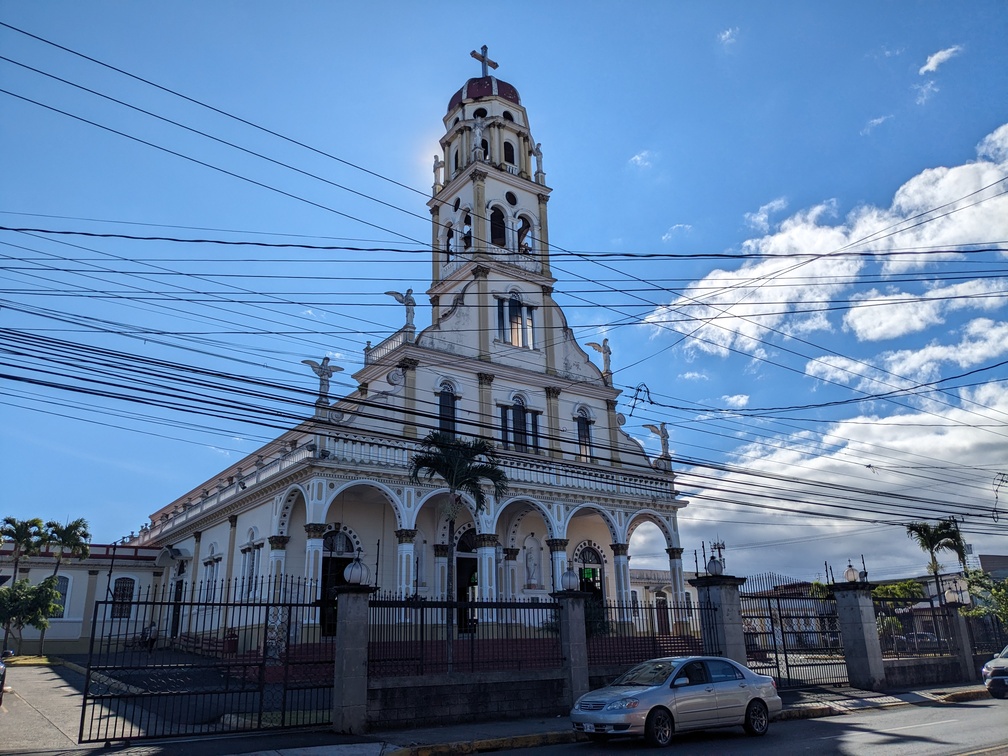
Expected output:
(998, 693)
(757, 718)
(658, 727)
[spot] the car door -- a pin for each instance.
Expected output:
(695, 698)
(732, 689)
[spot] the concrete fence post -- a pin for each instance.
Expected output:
(573, 642)
(725, 623)
(350, 688)
(859, 631)
(961, 641)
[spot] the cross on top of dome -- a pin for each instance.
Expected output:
(482, 58)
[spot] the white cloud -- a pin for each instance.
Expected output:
(642, 159)
(736, 400)
(683, 227)
(938, 58)
(760, 220)
(887, 53)
(873, 123)
(877, 316)
(729, 36)
(925, 90)
(734, 308)
(693, 375)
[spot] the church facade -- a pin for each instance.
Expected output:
(498, 361)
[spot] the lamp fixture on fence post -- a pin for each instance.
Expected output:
(356, 573)
(850, 574)
(570, 581)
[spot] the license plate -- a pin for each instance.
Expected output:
(589, 727)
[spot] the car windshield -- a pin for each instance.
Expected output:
(648, 673)
(1004, 653)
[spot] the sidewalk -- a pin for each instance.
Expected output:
(40, 716)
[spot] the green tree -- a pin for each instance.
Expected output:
(904, 589)
(73, 538)
(26, 536)
(990, 594)
(463, 465)
(942, 536)
(23, 605)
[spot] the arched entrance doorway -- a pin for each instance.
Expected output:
(337, 554)
(591, 574)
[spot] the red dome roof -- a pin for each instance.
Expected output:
(486, 86)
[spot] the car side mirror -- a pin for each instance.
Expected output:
(679, 682)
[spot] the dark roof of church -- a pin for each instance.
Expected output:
(485, 86)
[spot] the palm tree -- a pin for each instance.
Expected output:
(26, 537)
(463, 466)
(943, 536)
(73, 539)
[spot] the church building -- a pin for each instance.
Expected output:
(497, 361)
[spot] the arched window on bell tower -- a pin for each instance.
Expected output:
(498, 228)
(449, 243)
(525, 235)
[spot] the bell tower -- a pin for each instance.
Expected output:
(489, 227)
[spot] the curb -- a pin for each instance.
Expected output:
(489, 744)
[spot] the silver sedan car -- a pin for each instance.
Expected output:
(663, 696)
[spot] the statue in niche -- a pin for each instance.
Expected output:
(324, 371)
(407, 300)
(537, 154)
(532, 572)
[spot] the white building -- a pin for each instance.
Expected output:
(498, 361)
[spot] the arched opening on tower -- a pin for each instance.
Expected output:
(498, 229)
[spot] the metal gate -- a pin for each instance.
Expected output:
(794, 638)
(172, 665)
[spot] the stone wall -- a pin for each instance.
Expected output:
(905, 673)
(448, 699)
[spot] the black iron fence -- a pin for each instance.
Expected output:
(626, 634)
(914, 627)
(410, 636)
(214, 659)
(988, 635)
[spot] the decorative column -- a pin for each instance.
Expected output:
(406, 577)
(232, 533)
(621, 566)
(614, 424)
(313, 551)
(408, 366)
(479, 216)
(483, 310)
(859, 633)
(486, 403)
(675, 570)
(553, 420)
(558, 559)
(441, 570)
(543, 228)
(721, 628)
(486, 565)
(350, 678)
(511, 582)
(550, 339)
(277, 557)
(436, 251)
(197, 537)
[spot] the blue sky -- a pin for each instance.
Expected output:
(787, 218)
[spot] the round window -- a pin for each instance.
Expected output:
(511, 199)
(480, 113)
(458, 202)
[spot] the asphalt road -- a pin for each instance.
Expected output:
(964, 728)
